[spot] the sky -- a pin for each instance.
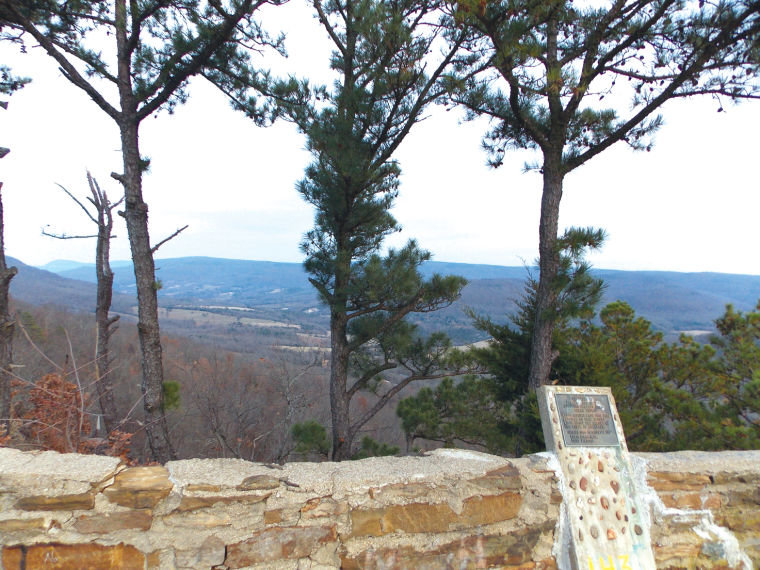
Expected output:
(691, 204)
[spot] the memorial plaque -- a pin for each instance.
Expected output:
(586, 420)
(607, 525)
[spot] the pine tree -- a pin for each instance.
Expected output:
(9, 81)
(498, 411)
(386, 76)
(458, 413)
(673, 396)
(156, 46)
(738, 404)
(623, 353)
(539, 71)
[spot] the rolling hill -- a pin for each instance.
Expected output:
(280, 292)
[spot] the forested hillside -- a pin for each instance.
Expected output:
(220, 403)
(672, 301)
(241, 384)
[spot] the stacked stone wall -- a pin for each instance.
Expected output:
(448, 509)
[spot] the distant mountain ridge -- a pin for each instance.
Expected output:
(672, 301)
(41, 287)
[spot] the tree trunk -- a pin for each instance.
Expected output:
(339, 400)
(136, 214)
(6, 333)
(541, 353)
(103, 323)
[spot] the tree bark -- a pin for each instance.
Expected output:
(136, 215)
(6, 332)
(339, 398)
(103, 322)
(542, 354)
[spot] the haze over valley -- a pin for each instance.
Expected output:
(219, 300)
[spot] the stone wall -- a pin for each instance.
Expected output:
(448, 509)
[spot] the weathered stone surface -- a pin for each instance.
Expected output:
(686, 501)
(258, 483)
(732, 478)
(514, 550)
(221, 473)
(211, 553)
(153, 560)
(725, 465)
(194, 503)
(323, 558)
(682, 552)
(712, 501)
(68, 556)
(321, 507)
(198, 520)
(279, 544)
(435, 517)
(80, 501)
(505, 478)
(740, 519)
(668, 481)
(414, 517)
(139, 487)
(445, 510)
(201, 488)
(403, 491)
(751, 547)
(749, 495)
(435, 466)
(488, 509)
(50, 472)
(140, 519)
(13, 525)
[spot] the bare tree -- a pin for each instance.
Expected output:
(290, 378)
(6, 322)
(104, 323)
(6, 332)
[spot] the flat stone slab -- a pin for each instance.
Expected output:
(739, 462)
(337, 479)
(607, 523)
(53, 473)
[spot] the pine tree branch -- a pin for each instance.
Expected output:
(362, 382)
(328, 27)
(173, 75)
(385, 398)
(69, 71)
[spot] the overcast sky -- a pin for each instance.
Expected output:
(692, 204)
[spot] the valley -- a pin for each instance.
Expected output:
(228, 299)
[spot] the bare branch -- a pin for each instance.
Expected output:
(163, 241)
(65, 236)
(34, 346)
(79, 386)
